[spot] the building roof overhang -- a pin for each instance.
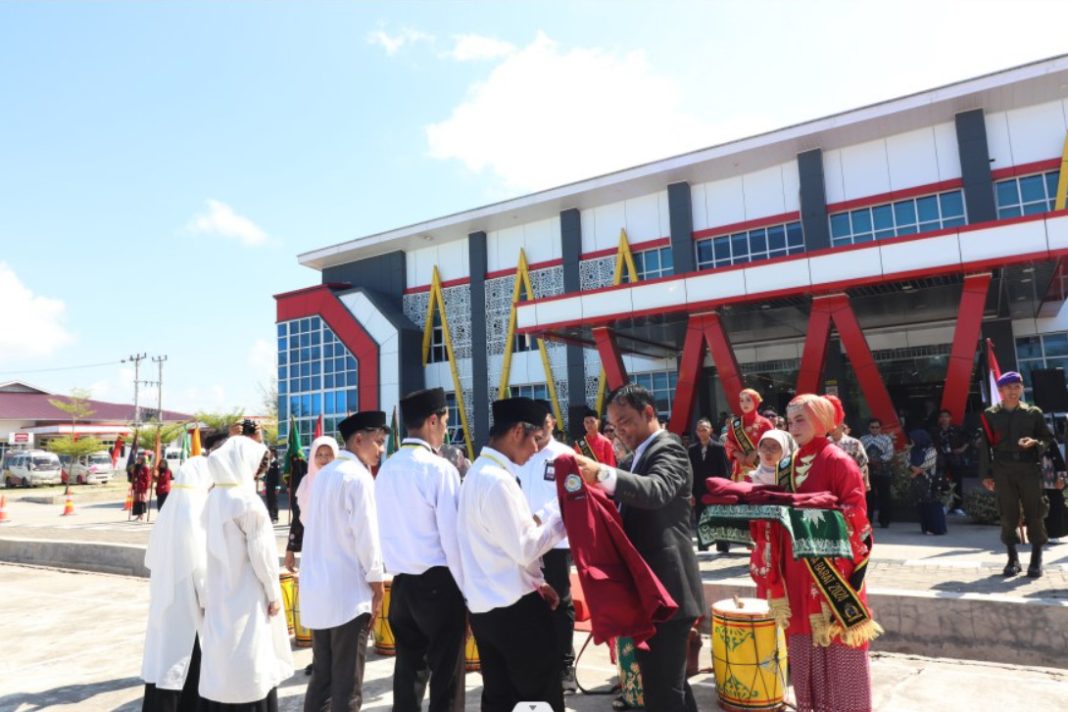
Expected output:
(1029, 84)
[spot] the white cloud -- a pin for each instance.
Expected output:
(33, 325)
(545, 116)
(116, 388)
(393, 43)
(221, 220)
(470, 48)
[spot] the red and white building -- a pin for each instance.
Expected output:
(866, 253)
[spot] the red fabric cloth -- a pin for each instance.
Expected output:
(142, 482)
(755, 425)
(624, 596)
(163, 481)
(602, 449)
(722, 491)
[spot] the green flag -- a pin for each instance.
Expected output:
(294, 447)
(394, 435)
(187, 444)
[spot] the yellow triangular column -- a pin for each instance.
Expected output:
(624, 260)
(438, 300)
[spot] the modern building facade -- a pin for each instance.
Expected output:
(867, 253)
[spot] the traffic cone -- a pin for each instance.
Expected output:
(68, 507)
(129, 501)
(3, 509)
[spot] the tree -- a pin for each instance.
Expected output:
(76, 406)
(269, 395)
(168, 432)
(220, 421)
(67, 445)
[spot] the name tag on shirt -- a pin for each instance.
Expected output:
(550, 472)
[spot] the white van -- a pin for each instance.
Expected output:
(89, 469)
(30, 468)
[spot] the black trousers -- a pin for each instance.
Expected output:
(517, 648)
(338, 657)
(429, 619)
(160, 499)
(186, 699)
(879, 499)
(663, 668)
(271, 495)
(557, 567)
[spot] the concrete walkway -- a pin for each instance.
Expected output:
(78, 648)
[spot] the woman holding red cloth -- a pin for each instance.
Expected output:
(743, 434)
(822, 602)
(163, 482)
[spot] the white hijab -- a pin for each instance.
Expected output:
(768, 476)
(304, 489)
(233, 469)
(177, 546)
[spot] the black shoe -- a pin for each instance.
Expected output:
(1034, 568)
(308, 670)
(1012, 568)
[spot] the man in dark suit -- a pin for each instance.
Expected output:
(653, 490)
(707, 459)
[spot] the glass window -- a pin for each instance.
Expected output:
(754, 245)
(654, 263)
(661, 384)
(1026, 195)
(902, 217)
(1055, 345)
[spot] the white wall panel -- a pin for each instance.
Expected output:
(664, 211)
(556, 311)
(608, 220)
(834, 267)
(763, 193)
(912, 158)
(589, 236)
(502, 248)
(865, 170)
(642, 218)
(540, 240)
(724, 202)
(1037, 132)
(453, 260)
(995, 242)
(791, 187)
(658, 295)
(948, 152)
(779, 275)
(997, 140)
(1057, 233)
(833, 181)
(907, 256)
(717, 285)
(599, 303)
(700, 209)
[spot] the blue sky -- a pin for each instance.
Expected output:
(162, 164)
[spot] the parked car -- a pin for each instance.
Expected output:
(88, 469)
(31, 468)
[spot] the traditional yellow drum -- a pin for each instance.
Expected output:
(385, 643)
(471, 661)
(748, 656)
(630, 677)
(288, 583)
(302, 634)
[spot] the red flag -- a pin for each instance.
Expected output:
(993, 373)
(318, 428)
(116, 451)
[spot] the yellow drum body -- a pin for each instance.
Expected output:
(288, 583)
(748, 656)
(385, 643)
(471, 661)
(302, 634)
(630, 677)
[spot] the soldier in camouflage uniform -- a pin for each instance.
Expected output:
(1016, 435)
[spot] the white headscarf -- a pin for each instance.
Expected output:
(768, 476)
(233, 468)
(304, 488)
(177, 547)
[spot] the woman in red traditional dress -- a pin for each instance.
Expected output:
(142, 485)
(743, 434)
(828, 624)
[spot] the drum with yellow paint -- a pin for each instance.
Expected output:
(748, 656)
(303, 635)
(630, 677)
(471, 660)
(288, 582)
(385, 643)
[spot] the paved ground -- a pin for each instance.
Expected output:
(967, 560)
(81, 650)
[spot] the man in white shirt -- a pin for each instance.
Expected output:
(501, 546)
(537, 478)
(341, 585)
(418, 492)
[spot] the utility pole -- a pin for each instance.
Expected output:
(136, 359)
(158, 360)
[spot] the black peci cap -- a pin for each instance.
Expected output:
(365, 420)
(420, 405)
(517, 410)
